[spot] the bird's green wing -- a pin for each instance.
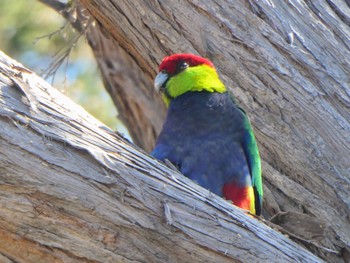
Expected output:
(252, 154)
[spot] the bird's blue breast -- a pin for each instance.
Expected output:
(202, 135)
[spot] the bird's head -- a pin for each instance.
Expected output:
(181, 73)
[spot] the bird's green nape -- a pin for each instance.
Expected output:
(198, 78)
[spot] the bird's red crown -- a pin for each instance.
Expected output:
(170, 63)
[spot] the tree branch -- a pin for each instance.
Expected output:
(286, 64)
(72, 190)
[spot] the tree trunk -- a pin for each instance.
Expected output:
(288, 64)
(73, 191)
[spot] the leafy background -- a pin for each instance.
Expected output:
(33, 34)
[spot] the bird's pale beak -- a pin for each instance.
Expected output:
(160, 80)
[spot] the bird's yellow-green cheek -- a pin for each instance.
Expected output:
(166, 99)
(198, 78)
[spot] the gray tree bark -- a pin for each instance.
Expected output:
(71, 190)
(288, 64)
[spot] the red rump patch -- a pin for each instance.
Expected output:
(170, 63)
(238, 195)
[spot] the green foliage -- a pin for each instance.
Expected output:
(27, 31)
(22, 22)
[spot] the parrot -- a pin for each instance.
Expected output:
(206, 135)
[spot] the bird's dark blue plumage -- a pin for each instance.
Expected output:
(203, 135)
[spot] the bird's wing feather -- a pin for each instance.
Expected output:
(251, 151)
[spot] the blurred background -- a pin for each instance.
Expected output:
(37, 37)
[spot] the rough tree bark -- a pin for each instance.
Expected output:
(288, 64)
(71, 190)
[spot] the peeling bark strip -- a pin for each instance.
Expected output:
(73, 191)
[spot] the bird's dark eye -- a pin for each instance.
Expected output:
(184, 65)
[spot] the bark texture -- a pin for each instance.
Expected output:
(71, 190)
(288, 63)
(139, 107)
